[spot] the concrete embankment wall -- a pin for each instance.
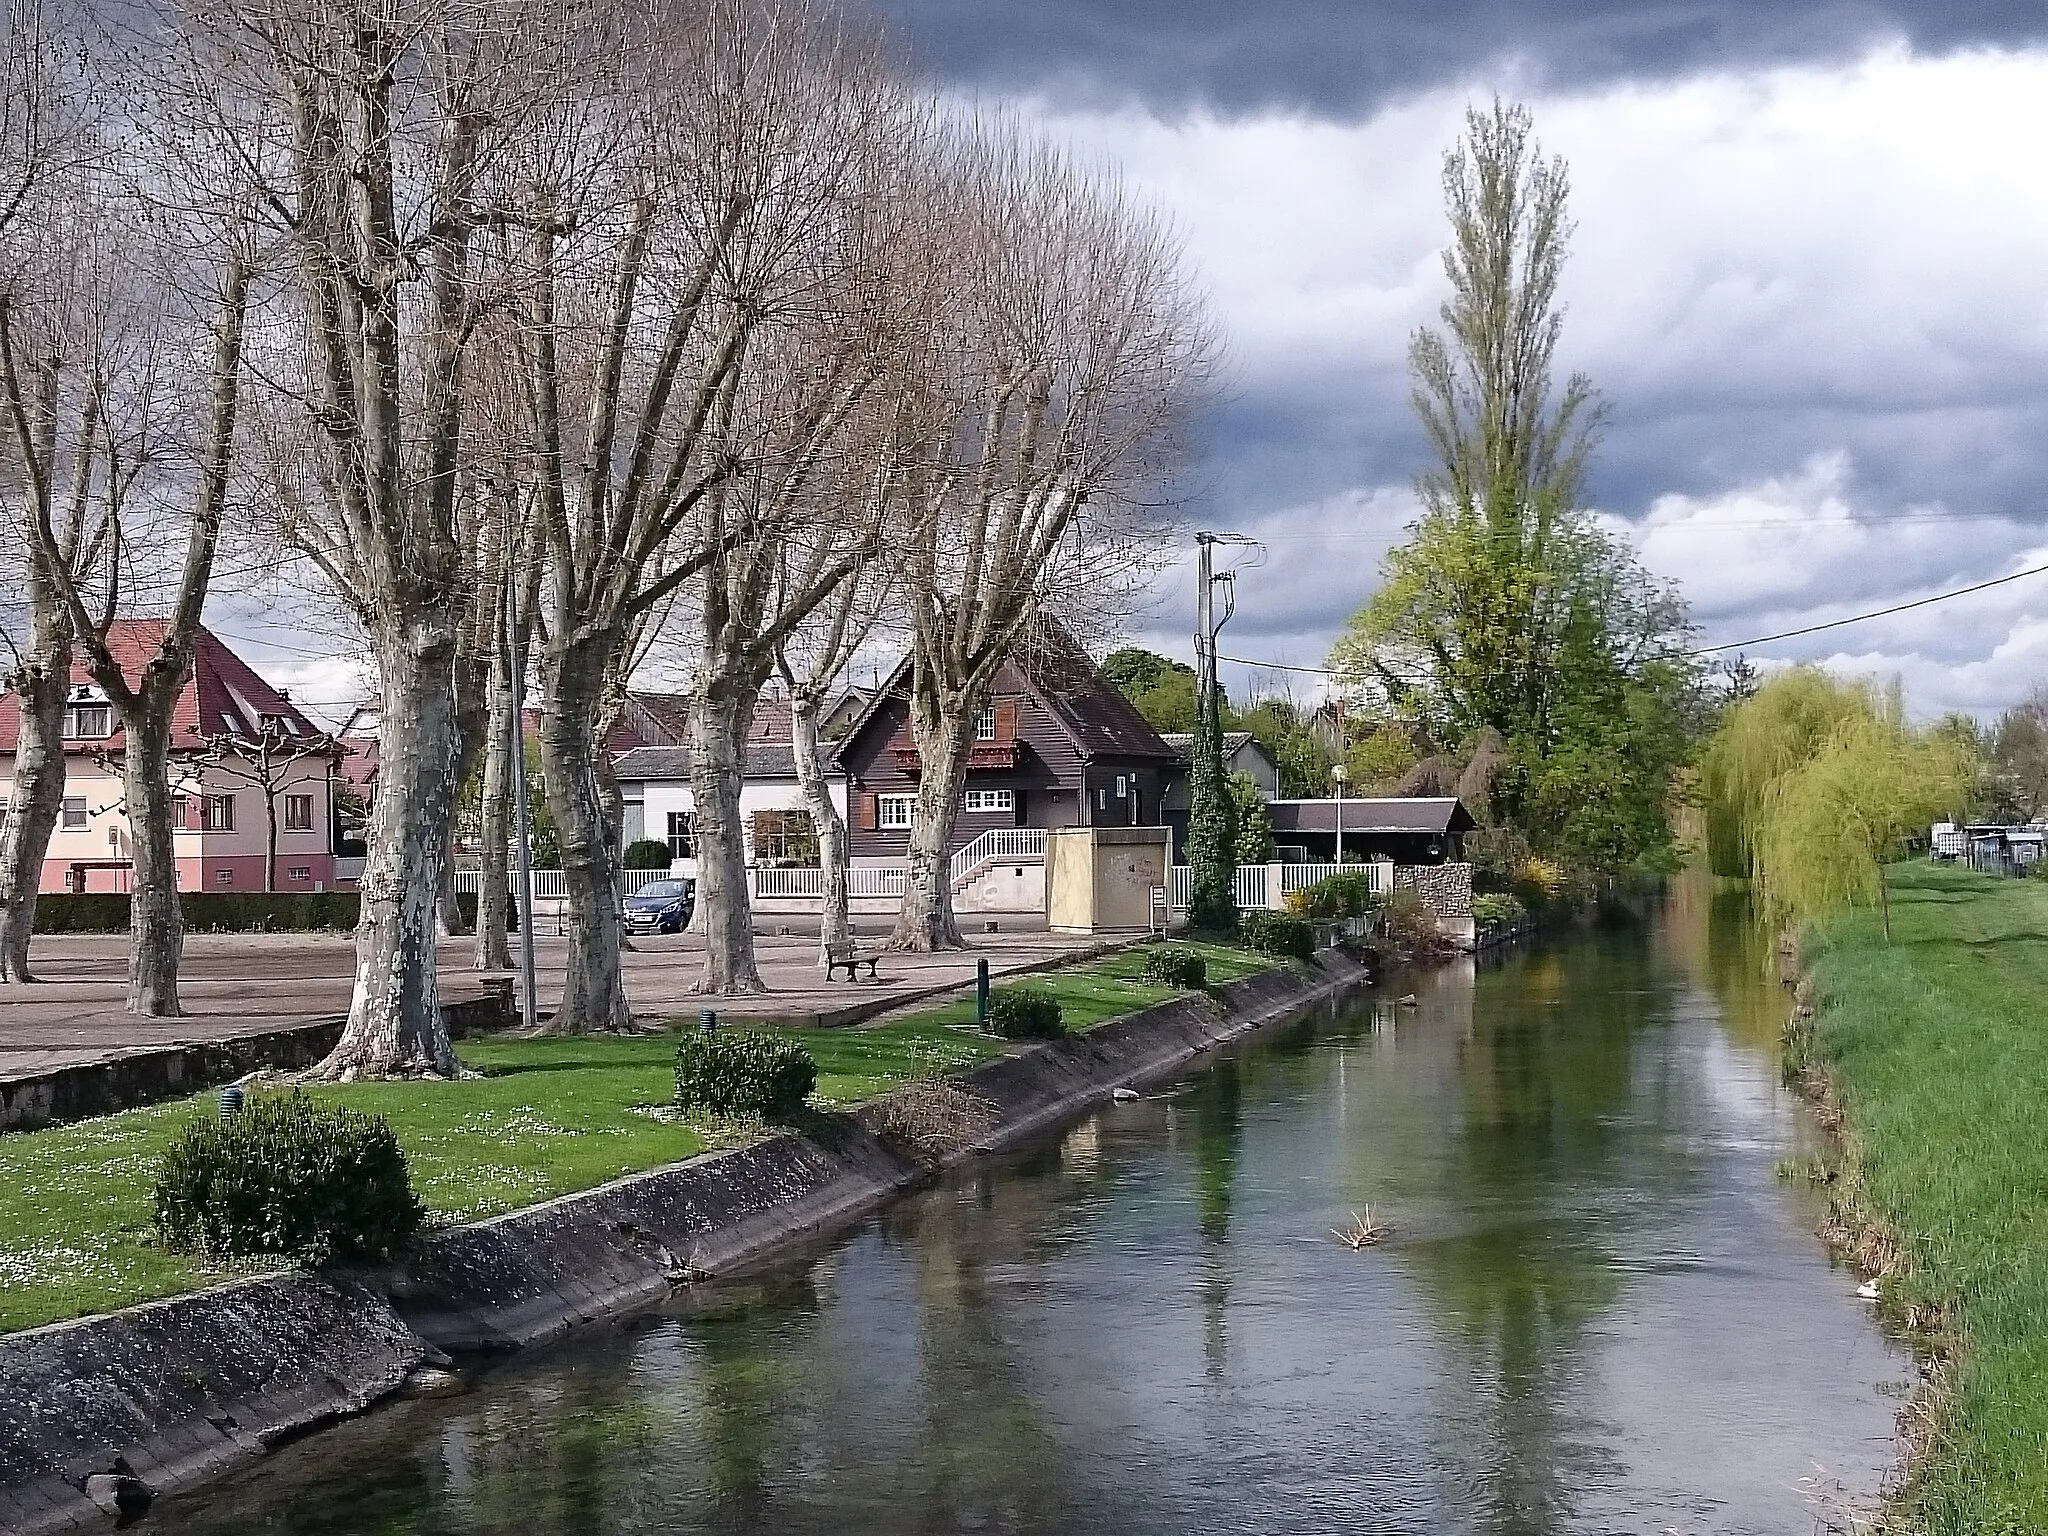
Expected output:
(175, 1392)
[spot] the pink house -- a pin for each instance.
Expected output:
(225, 798)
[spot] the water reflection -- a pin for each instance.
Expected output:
(1596, 1313)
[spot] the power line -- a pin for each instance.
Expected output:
(1875, 613)
(1737, 645)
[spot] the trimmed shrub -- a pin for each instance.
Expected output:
(1176, 968)
(647, 853)
(287, 1176)
(1025, 1013)
(215, 912)
(1335, 897)
(1279, 935)
(1496, 909)
(743, 1072)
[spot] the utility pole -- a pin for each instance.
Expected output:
(1212, 822)
(515, 668)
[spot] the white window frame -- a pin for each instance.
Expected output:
(299, 872)
(216, 813)
(985, 722)
(682, 835)
(76, 815)
(989, 802)
(223, 877)
(75, 717)
(894, 812)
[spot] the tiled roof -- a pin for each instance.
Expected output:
(765, 760)
(1102, 720)
(1183, 743)
(223, 696)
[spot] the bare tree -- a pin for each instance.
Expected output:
(84, 359)
(268, 761)
(45, 131)
(1080, 347)
(378, 132)
(813, 661)
(659, 313)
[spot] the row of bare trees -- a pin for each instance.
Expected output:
(596, 325)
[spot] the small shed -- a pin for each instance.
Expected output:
(1101, 879)
(1410, 830)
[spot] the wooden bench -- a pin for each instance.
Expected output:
(837, 955)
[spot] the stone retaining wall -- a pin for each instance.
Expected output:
(174, 1392)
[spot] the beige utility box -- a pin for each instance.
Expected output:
(1101, 879)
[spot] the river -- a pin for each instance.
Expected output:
(1597, 1310)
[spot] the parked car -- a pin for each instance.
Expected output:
(661, 906)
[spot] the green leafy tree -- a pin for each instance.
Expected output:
(1254, 822)
(1212, 828)
(2017, 758)
(1509, 608)
(1162, 689)
(1279, 727)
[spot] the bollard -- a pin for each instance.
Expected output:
(707, 1021)
(230, 1101)
(981, 994)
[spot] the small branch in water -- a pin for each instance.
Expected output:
(1362, 1233)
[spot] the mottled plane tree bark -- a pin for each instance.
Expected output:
(379, 129)
(1079, 348)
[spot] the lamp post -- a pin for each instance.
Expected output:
(1337, 773)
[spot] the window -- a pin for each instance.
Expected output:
(985, 723)
(892, 812)
(1123, 786)
(224, 877)
(298, 813)
(680, 844)
(988, 802)
(1101, 799)
(3, 813)
(88, 722)
(299, 872)
(785, 838)
(74, 813)
(217, 814)
(180, 806)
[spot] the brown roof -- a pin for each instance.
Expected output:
(222, 697)
(1435, 815)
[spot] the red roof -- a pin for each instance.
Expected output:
(223, 696)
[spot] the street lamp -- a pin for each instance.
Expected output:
(1337, 773)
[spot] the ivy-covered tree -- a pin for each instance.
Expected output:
(1212, 828)
(1254, 821)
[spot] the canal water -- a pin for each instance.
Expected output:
(1597, 1310)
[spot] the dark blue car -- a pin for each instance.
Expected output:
(661, 906)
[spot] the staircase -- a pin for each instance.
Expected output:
(996, 846)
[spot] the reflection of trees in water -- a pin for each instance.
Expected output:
(1215, 1111)
(1710, 927)
(1548, 1081)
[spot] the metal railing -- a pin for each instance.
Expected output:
(1266, 887)
(996, 844)
(766, 883)
(553, 884)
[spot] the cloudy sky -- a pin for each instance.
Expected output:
(1810, 277)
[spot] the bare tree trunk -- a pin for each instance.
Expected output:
(493, 891)
(394, 1024)
(944, 737)
(37, 796)
(835, 927)
(594, 989)
(156, 923)
(720, 718)
(269, 842)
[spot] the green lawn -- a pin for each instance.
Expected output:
(1938, 1043)
(548, 1117)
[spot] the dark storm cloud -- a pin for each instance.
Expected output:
(1337, 59)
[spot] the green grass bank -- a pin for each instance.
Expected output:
(546, 1117)
(1937, 1048)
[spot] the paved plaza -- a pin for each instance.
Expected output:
(243, 984)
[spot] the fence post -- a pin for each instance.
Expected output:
(981, 994)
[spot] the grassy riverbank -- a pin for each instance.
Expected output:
(1937, 1047)
(547, 1117)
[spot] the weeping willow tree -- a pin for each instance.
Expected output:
(1779, 728)
(1812, 787)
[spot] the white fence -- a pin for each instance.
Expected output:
(552, 884)
(765, 883)
(1267, 886)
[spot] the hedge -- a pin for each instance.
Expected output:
(221, 912)
(740, 1072)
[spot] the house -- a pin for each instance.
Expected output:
(660, 805)
(221, 811)
(1056, 744)
(1409, 831)
(1242, 753)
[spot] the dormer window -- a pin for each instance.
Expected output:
(88, 722)
(985, 723)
